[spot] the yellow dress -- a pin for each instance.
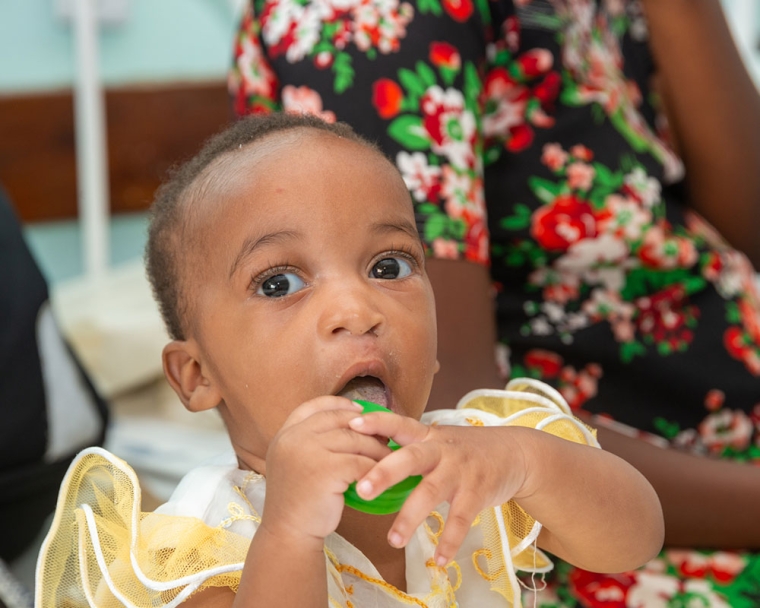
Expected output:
(102, 551)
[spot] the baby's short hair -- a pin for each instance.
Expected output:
(169, 212)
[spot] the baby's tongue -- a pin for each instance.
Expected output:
(367, 389)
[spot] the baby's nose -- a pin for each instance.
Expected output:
(354, 310)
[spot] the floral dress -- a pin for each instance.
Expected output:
(528, 135)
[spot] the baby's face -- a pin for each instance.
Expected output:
(312, 284)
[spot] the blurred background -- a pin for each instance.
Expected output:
(98, 98)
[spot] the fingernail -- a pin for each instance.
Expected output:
(395, 540)
(364, 488)
(441, 561)
(358, 406)
(356, 422)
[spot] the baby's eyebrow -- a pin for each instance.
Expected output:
(252, 243)
(400, 226)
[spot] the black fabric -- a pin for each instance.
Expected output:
(28, 485)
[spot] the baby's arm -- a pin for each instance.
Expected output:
(309, 464)
(597, 511)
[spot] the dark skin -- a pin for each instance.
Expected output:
(714, 110)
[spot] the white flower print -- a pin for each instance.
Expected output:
(257, 77)
(626, 219)
(451, 128)
(419, 176)
(646, 188)
(305, 35)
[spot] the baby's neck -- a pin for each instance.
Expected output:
(369, 534)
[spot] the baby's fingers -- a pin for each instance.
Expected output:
(402, 429)
(464, 509)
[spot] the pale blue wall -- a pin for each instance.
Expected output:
(161, 40)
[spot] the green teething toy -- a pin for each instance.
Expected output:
(393, 498)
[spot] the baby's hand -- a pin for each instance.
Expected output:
(310, 463)
(471, 468)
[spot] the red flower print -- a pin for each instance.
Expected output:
(714, 400)
(547, 90)
(535, 62)
(459, 10)
(663, 250)
(553, 156)
(567, 220)
(750, 319)
(303, 100)
(443, 55)
(665, 317)
(722, 566)
(451, 127)
(733, 340)
(521, 137)
(387, 97)
(578, 386)
(580, 176)
(511, 33)
(601, 590)
(548, 364)
(582, 153)
(726, 428)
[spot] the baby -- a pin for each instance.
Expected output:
(289, 271)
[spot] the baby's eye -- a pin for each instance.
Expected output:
(391, 268)
(280, 285)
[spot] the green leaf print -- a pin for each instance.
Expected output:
(427, 208)
(520, 220)
(412, 83)
(426, 73)
(630, 350)
(606, 177)
(448, 75)
(744, 590)
(638, 143)
(732, 312)
(472, 87)
(430, 6)
(344, 72)
(409, 132)
(667, 429)
(435, 227)
(485, 11)
(328, 33)
(546, 191)
(643, 281)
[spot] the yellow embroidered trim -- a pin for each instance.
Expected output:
(236, 511)
(435, 535)
(237, 514)
(400, 595)
(487, 554)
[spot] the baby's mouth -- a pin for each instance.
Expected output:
(366, 388)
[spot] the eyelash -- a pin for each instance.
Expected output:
(403, 251)
(269, 273)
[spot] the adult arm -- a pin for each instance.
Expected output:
(693, 490)
(466, 331)
(714, 110)
(706, 502)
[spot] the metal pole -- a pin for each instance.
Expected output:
(92, 178)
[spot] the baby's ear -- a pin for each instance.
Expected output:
(186, 376)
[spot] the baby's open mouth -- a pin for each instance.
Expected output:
(366, 388)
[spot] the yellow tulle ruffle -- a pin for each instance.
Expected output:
(103, 551)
